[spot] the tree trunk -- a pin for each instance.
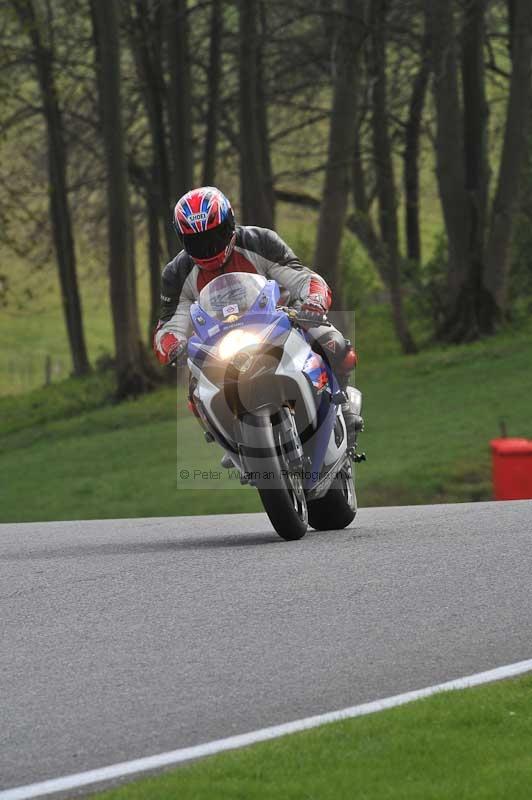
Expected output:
(513, 158)
(254, 190)
(179, 98)
(386, 189)
(262, 108)
(411, 157)
(154, 259)
(449, 138)
(213, 99)
(145, 43)
(360, 223)
(349, 29)
(58, 192)
(131, 374)
(467, 317)
(461, 150)
(475, 124)
(477, 271)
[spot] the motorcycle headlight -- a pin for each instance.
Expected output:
(236, 340)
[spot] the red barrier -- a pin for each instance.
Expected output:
(512, 469)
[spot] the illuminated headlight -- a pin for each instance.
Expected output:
(236, 340)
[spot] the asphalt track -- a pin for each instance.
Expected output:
(125, 638)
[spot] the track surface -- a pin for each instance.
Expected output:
(125, 638)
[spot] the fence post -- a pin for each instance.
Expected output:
(48, 370)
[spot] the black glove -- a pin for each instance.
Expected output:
(178, 354)
(312, 315)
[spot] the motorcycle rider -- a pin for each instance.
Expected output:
(213, 245)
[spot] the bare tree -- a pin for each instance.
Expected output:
(40, 36)
(256, 195)
(131, 370)
(478, 241)
(384, 172)
(449, 136)
(213, 93)
(514, 150)
(144, 23)
(175, 22)
(154, 256)
(411, 155)
(263, 108)
(345, 52)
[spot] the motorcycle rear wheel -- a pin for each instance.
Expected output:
(338, 507)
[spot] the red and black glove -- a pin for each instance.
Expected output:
(168, 348)
(313, 313)
(318, 301)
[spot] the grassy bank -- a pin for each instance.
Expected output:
(472, 744)
(66, 453)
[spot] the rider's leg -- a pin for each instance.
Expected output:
(341, 356)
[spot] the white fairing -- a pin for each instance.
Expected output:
(295, 353)
(206, 391)
(335, 453)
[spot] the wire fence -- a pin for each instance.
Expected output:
(23, 375)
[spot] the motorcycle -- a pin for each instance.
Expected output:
(272, 403)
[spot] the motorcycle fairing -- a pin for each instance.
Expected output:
(316, 371)
(306, 381)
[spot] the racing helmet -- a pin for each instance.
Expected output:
(205, 224)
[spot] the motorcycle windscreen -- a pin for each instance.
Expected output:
(231, 295)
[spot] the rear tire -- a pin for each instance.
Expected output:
(338, 507)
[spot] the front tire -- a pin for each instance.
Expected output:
(338, 508)
(281, 492)
(287, 508)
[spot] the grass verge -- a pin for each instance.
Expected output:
(472, 744)
(66, 453)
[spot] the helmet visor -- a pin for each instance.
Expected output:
(208, 244)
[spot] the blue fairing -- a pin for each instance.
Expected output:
(327, 412)
(199, 347)
(262, 313)
(265, 314)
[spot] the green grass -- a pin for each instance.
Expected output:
(66, 453)
(430, 418)
(32, 325)
(472, 744)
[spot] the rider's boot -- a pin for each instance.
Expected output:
(352, 406)
(353, 419)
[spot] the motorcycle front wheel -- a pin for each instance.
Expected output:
(280, 489)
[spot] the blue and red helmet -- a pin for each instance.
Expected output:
(205, 224)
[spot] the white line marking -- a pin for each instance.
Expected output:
(233, 742)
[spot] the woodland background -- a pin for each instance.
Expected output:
(387, 140)
(389, 143)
